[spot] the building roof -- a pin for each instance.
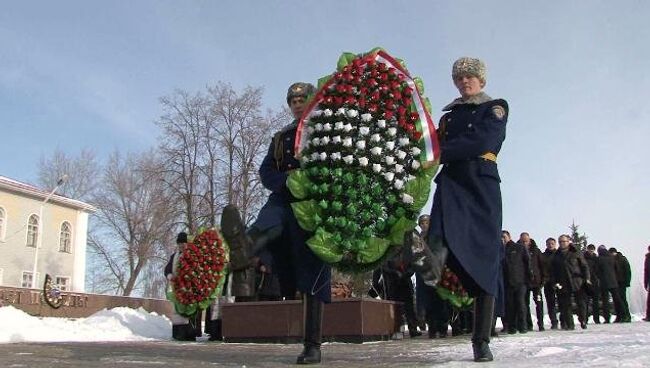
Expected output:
(35, 192)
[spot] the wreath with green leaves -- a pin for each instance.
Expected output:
(368, 152)
(200, 273)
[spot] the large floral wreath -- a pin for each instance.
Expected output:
(368, 152)
(199, 273)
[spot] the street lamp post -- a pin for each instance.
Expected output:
(39, 240)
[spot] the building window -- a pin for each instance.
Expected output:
(32, 231)
(65, 238)
(3, 223)
(63, 283)
(27, 279)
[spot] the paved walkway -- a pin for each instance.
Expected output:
(418, 352)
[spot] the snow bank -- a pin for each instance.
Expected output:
(117, 324)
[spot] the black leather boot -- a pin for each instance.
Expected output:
(214, 330)
(483, 315)
(313, 333)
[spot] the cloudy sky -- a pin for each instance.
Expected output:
(575, 73)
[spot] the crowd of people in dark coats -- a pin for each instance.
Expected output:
(587, 283)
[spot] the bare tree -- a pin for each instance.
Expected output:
(134, 216)
(181, 149)
(82, 173)
(212, 144)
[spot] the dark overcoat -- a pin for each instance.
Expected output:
(606, 270)
(295, 264)
(569, 269)
(466, 210)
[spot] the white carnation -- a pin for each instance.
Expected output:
(404, 141)
(401, 154)
(399, 184)
(376, 168)
(415, 164)
(415, 151)
(310, 129)
(338, 125)
(336, 156)
(318, 127)
(327, 127)
(363, 161)
(361, 145)
(315, 141)
(347, 127)
(376, 151)
(399, 168)
(364, 130)
(316, 113)
(336, 139)
(347, 142)
(327, 112)
(349, 159)
(314, 156)
(407, 198)
(390, 145)
(353, 113)
(325, 140)
(323, 156)
(375, 138)
(392, 131)
(390, 160)
(366, 117)
(381, 123)
(389, 176)
(304, 159)
(340, 111)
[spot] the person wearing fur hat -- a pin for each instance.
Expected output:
(277, 240)
(608, 284)
(466, 216)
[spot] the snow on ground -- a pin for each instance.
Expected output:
(117, 324)
(604, 345)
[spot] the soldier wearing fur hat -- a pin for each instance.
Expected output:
(466, 215)
(277, 240)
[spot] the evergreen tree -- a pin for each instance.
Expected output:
(579, 241)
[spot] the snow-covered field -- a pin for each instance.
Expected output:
(605, 345)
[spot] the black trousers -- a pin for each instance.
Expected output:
(551, 299)
(626, 307)
(606, 307)
(539, 307)
(594, 302)
(400, 289)
(647, 307)
(516, 307)
(566, 307)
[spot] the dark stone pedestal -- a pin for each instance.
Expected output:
(344, 320)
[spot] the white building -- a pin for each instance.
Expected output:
(63, 228)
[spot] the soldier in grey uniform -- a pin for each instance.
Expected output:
(276, 240)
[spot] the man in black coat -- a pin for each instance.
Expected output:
(516, 278)
(624, 277)
(549, 286)
(592, 261)
(570, 272)
(608, 284)
(646, 284)
(535, 282)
